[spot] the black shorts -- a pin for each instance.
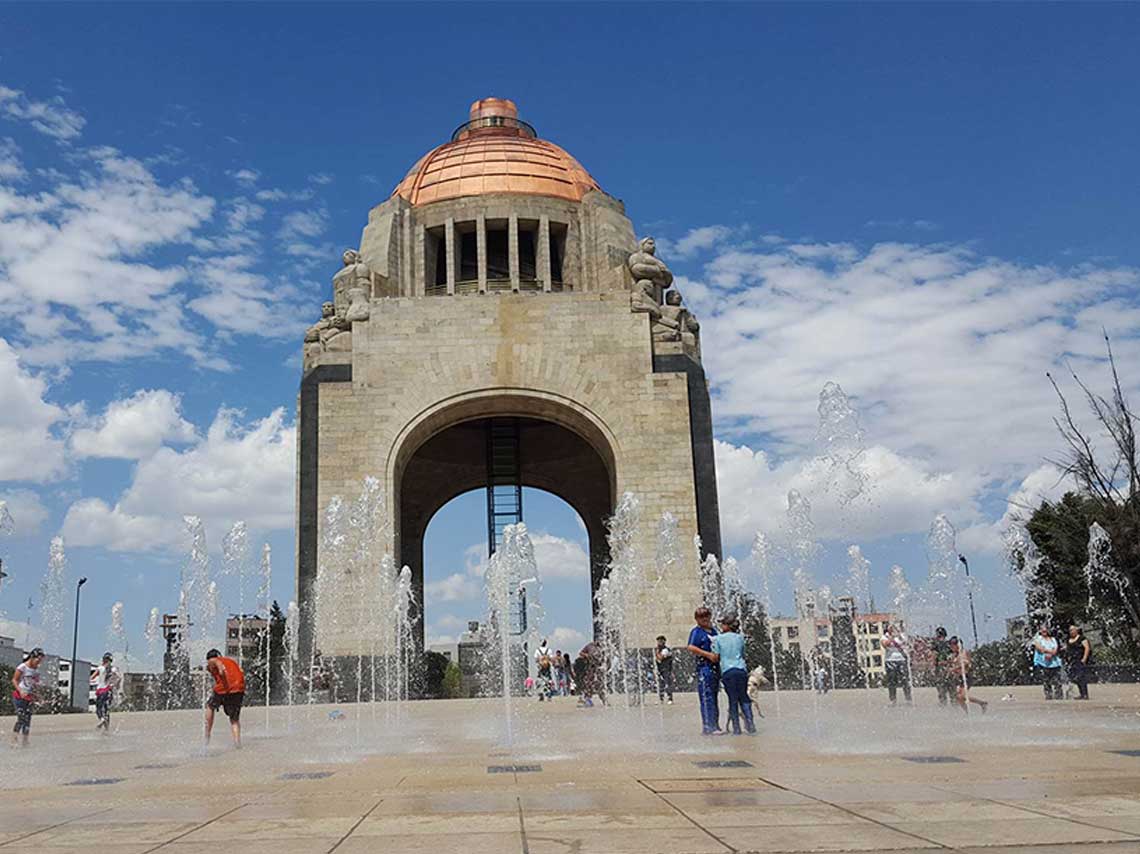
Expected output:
(230, 702)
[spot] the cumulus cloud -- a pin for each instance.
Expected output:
(26, 509)
(942, 350)
(900, 494)
(566, 639)
(246, 177)
(558, 557)
(457, 587)
(52, 117)
(30, 450)
(135, 427)
(236, 471)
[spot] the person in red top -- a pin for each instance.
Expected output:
(229, 692)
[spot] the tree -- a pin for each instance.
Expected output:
(452, 681)
(1001, 662)
(1107, 476)
(435, 666)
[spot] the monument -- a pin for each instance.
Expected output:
(501, 327)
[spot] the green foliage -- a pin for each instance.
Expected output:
(434, 667)
(452, 681)
(6, 707)
(1002, 662)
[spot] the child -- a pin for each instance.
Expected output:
(756, 679)
(25, 683)
(728, 647)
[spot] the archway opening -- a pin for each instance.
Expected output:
(456, 554)
(463, 456)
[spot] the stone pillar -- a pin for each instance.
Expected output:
(513, 250)
(449, 234)
(419, 283)
(406, 266)
(481, 250)
(543, 252)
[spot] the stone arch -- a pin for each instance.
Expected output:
(564, 450)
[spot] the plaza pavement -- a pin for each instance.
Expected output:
(835, 773)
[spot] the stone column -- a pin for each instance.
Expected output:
(449, 235)
(513, 249)
(542, 252)
(407, 266)
(481, 250)
(419, 283)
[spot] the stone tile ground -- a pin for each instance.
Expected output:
(827, 774)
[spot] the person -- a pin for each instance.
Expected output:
(25, 684)
(700, 645)
(895, 661)
(1079, 653)
(544, 663)
(1047, 662)
(229, 693)
(820, 680)
(663, 656)
(960, 663)
(568, 669)
(728, 652)
(940, 649)
(106, 680)
(588, 674)
(559, 675)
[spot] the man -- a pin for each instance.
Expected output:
(894, 658)
(588, 674)
(960, 664)
(708, 675)
(106, 680)
(664, 658)
(1047, 661)
(943, 681)
(25, 683)
(229, 692)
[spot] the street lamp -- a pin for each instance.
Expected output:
(3, 574)
(75, 641)
(970, 595)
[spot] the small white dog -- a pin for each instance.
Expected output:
(755, 679)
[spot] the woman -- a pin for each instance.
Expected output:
(728, 653)
(960, 664)
(700, 645)
(25, 683)
(1078, 650)
(1046, 661)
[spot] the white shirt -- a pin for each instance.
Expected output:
(106, 676)
(29, 679)
(894, 649)
(543, 651)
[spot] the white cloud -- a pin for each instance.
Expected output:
(26, 637)
(51, 117)
(900, 494)
(246, 177)
(29, 448)
(321, 178)
(695, 241)
(558, 557)
(235, 471)
(11, 169)
(566, 639)
(447, 623)
(456, 587)
(27, 510)
(134, 428)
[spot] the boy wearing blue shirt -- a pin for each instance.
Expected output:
(700, 645)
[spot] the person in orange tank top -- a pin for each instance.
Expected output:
(229, 692)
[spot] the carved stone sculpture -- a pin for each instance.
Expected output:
(355, 274)
(358, 305)
(651, 278)
(313, 333)
(676, 323)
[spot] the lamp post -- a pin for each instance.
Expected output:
(75, 641)
(970, 595)
(3, 574)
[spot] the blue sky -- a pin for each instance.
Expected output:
(929, 204)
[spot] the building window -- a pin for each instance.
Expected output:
(793, 632)
(873, 628)
(875, 643)
(528, 254)
(468, 242)
(878, 659)
(557, 250)
(498, 253)
(822, 631)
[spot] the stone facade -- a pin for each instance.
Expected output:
(604, 411)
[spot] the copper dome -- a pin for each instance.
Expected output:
(495, 152)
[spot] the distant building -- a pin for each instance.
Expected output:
(244, 636)
(142, 691)
(809, 634)
(10, 654)
(82, 694)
